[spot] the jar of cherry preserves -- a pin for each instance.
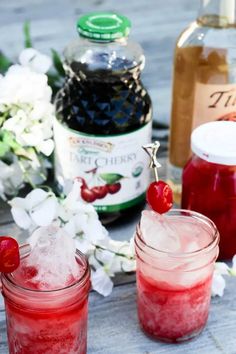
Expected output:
(209, 180)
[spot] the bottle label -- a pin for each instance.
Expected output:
(214, 102)
(114, 168)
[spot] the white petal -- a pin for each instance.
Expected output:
(101, 282)
(36, 197)
(84, 246)
(41, 63)
(234, 262)
(21, 217)
(128, 265)
(2, 190)
(21, 84)
(72, 198)
(218, 285)
(94, 230)
(35, 60)
(27, 55)
(105, 256)
(222, 268)
(46, 147)
(18, 203)
(44, 213)
(132, 246)
(70, 228)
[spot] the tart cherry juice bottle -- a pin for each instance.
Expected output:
(103, 117)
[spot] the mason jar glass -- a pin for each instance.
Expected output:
(174, 289)
(46, 322)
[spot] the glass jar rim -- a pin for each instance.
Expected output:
(79, 283)
(189, 213)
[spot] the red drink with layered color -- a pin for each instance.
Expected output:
(46, 298)
(175, 262)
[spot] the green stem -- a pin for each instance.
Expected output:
(115, 253)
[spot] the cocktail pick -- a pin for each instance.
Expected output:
(159, 194)
(151, 150)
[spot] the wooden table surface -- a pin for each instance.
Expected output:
(113, 326)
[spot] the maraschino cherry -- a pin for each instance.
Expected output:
(159, 194)
(9, 254)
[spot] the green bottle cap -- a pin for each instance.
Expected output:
(104, 26)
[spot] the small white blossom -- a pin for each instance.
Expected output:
(39, 208)
(35, 60)
(80, 221)
(27, 114)
(22, 85)
(101, 282)
(218, 281)
(218, 285)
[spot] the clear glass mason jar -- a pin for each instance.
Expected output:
(48, 322)
(174, 289)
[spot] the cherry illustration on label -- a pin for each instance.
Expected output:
(159, 195)
(100, 191)
(108, 183)
(114, 188)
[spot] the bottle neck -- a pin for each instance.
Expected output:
(218, 13)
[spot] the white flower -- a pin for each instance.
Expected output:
(80, 221)
(25, 99)
(22, 85)
(218, 285)
(39, 208)
(101, 282)
(218, 282)
(84, 245)
(82, 217)
(37, 61)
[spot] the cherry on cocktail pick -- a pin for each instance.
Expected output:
(159, 194)
(9, 254)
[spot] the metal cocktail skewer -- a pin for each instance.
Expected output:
(151, 150)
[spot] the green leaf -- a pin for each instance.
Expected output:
(111, 178)
(4, 63)
(54, 81)
(9, 140)
(57, 63)
(4, 148)
(27, 35)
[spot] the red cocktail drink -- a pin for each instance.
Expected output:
(175, 262)
(46, 321)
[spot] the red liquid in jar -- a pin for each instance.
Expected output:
(47, 332)
(210, 189)
(42, 325)
(175, 256)
(172, 314)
